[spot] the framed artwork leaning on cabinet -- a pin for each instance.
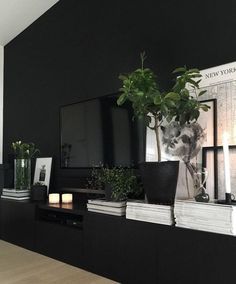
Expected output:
(42, 171)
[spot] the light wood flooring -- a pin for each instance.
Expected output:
(21, 266)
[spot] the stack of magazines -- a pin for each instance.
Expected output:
(107, 207)
(153, 213)
(15, 194)
(211, 217)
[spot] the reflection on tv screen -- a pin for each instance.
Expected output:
(98, 131)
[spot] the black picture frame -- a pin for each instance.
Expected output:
(215, 152)
(211, 115)
(212, 111)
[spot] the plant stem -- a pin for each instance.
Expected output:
(156, 127)
(186, 178)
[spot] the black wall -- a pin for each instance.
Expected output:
(78, 48)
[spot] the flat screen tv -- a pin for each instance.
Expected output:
(98, 131)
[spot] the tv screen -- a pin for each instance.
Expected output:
(98, 131)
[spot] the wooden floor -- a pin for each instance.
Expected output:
(21, 266)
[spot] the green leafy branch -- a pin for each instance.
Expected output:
(187, 86)
(149, 103)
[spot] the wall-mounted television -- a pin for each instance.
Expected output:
(98, 131)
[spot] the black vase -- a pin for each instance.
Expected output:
(160, 181)
(108, 192)
(38, 192)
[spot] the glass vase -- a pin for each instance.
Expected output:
(199, 176)
(22, 174)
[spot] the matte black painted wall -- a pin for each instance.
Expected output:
(78, 48)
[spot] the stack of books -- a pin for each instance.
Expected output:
(211, 217)
(153, 213)
(107, 207)
(15, 194)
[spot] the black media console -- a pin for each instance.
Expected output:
(123, 250)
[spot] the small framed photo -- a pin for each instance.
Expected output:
(43, 171)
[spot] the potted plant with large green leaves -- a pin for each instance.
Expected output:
(152, 105)
(183, 137)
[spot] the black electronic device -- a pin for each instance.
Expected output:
(98, 131)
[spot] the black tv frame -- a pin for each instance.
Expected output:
(60, 135)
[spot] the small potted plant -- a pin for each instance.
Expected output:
(118, 182)
(38, 192)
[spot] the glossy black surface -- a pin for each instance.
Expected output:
(98, 131)
(73, 208)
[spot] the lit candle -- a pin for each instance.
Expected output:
(54, 198)
(67, 198)
(226, 162)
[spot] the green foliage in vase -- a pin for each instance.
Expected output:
(22, 174)
(141, 89)
(24, 150)
(123, 182)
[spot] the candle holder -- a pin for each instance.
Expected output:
(67, 198)
(54, 198)
(229, 199)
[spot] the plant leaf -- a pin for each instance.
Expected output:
(172, 96)
(180, 69)
(157, 100)
(194, 70)
(121, 99)
(204, 107)
(202, 93)
(140, 93)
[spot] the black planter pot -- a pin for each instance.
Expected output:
(108, 192)
(160, 181)
(38, 192)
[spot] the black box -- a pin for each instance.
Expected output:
(38, 192)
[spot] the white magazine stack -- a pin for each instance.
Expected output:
(15, 194)
(153, 213)
(211, 217)
(107, 207)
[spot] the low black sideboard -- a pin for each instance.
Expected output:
(123, 250)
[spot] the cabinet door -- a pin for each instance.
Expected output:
(140, 259)
(17, 220)
(104, 248)
(217, 256)
(181, 256)
(62, 242)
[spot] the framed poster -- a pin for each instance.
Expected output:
(43, 171)
(220, 84)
